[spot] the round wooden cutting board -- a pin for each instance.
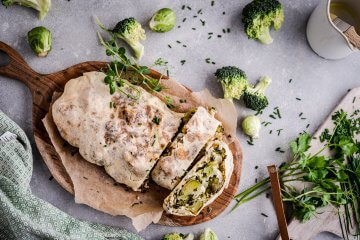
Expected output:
(42, 87)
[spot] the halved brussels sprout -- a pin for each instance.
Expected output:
(163, 20)
(251, 126)
(39, 39)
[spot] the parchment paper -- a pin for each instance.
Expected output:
(93, 187)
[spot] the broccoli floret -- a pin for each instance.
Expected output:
(259, 16)
(233, 81)
(254, 97)
(43, 6)
(173, 236)
(131, 32)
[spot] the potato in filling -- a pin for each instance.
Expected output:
(207, 180)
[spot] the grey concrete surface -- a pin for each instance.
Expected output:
(319, 83)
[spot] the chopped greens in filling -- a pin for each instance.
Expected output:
(208, 179)
(219, 133)
(188, 115)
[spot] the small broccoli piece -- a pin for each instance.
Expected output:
(233, 81)
(259, 16)
(39, 39)
(254, 97)
(43, 6)
(131, 32)
(173, 236)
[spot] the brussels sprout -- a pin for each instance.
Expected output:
(39, 39)
(251, 126)
(163, 20)
(208, 235)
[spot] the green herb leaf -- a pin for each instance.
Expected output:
(112, 87)
(317, 162)
(304, 142)
(341, 175)
(156, 120)
(121, 51)
(169, 102)
(144, 70)
(348, 148)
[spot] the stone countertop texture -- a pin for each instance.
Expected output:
(319, 83)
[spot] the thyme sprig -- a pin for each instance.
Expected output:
(327, 180)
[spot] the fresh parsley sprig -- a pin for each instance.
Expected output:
(328, 180)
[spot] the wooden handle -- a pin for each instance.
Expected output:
(353, 37)
(278, 204)
(16, 67)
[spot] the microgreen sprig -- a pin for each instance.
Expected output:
(163, 64)
(120, 64)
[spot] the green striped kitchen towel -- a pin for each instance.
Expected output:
(23, 215)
